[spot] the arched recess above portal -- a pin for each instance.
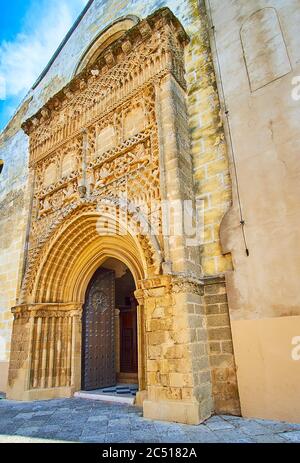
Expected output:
(105, 38)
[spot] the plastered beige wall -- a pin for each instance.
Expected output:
(263, 289)
(267, 354)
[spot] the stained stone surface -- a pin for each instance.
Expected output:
(79, 420)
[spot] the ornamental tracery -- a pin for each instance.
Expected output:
(98, 140)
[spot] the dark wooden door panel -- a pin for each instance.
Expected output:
(98, 351)
(128, 331)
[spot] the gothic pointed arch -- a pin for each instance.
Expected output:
(62, 263)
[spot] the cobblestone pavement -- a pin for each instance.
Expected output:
(80, 420)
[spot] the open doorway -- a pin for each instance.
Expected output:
(109, 331)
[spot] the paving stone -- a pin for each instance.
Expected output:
(279, 427)
(232, 418)
(24, 416)
(118, 425)
(41, 419)
(93, 440)
(269, 439)
(27, 440)
(145, 435)
(112, 438)
(293, 436)
(93, 434)
(98, 419)
(233, 436)
(148, 441)
(119, 421)
(72, 430)
(173, 438)
(28, 431)
(6, 429)
(34, 423)
(219, 425)
(65, 436)
(203, 436)
(51, 428)
(163, 426)
(6, 414)
(215, 419)
(62, 414)
(78, 420)
(57, 421)
(254, 429)
(142, 427)
(72, 420)
(43, 413)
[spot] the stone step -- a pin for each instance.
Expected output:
(105, 397)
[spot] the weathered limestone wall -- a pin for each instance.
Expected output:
(258, 48)
(211, 170)
(223, 368)
(13, 224)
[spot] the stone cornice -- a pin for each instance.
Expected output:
(107, 60)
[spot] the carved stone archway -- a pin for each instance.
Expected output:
(117, 135)
(50, 316)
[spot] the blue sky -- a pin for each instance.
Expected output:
(30, 32)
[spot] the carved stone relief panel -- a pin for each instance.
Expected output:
(50, 175)
(106, 140)
(97, 139)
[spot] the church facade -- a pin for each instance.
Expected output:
(149, 214)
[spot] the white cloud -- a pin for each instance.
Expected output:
(22, 60)
(2, 88)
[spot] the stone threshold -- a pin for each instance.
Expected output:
(104, 397)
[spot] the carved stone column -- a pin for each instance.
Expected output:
(142, 372)
(46, 351)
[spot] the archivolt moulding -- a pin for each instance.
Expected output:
(78, 245)
(106, 37)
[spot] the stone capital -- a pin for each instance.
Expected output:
(47, 310)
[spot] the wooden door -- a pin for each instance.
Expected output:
(128, 332)
(98, 346)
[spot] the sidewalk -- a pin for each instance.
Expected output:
(80, 420)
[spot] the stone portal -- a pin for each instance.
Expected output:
(109, 154)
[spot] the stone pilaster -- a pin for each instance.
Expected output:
(176, 351)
